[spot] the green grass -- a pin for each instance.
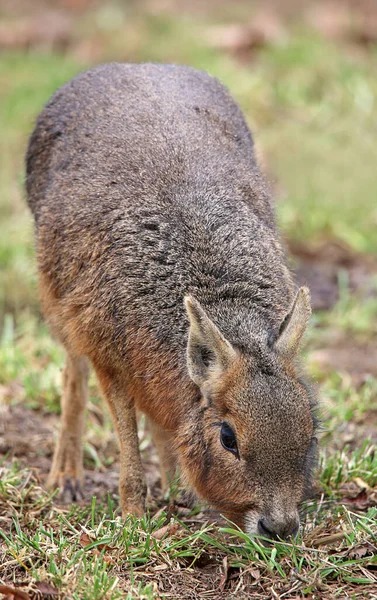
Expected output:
(86, 552)
(31, 357)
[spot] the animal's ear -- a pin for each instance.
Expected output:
(209, 354)
(293, 326)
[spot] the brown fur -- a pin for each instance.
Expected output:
(145, 191)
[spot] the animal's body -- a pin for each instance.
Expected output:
(145, 191)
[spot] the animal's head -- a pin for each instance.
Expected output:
(250, 448)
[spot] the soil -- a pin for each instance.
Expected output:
(319, 267)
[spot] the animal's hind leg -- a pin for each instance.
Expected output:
(165, 450)
(67, 470)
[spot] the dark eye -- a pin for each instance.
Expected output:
(228, 439)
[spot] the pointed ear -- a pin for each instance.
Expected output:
(209, 354)
(293, 327)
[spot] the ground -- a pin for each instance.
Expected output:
(304, 73)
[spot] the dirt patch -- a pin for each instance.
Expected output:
(348, 356)
(25, 432)
(49, 31)
(319, 267)
(287, 9)
(29, 436)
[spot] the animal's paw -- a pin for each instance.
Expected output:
(133, 493)
(186, 498)
(71, 490)
(70, 487)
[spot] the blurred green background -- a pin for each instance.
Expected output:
(303, 72)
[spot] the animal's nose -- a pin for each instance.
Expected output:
(274, 529)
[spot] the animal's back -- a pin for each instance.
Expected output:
(139, 125)
(144, 186)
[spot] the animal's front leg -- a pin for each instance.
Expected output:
(132, 482)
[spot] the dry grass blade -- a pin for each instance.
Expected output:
(328, 539)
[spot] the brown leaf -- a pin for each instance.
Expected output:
(362, 550)
(85, 541)
(361, 483)
(361, 501)
(13, 593)
(255, 573)
(46, 588)
(328, 539)
(373, 498)
(170, 529)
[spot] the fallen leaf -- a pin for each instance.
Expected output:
(46, 588)
(361, 501)
(328, 539)
(255, 573)
(170, 529)
(362, 550)
(85, 541)
(361, 483)
(11, 593)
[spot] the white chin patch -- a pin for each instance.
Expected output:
(251, 522)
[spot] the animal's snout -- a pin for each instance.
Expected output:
(282, 528)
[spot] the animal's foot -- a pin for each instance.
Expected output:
(70, 487)
(186, 498)
(137, 510)
(133, 495)
(71, 491)
(67, 473)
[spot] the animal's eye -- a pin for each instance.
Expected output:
(228, 439)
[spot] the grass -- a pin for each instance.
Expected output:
(311, 105)
(90, 549)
